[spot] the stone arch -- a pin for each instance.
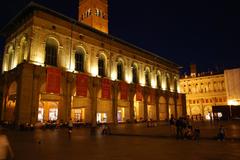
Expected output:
(223, 85)
(120, 68)
(159, 79)
(123, 107)
(151, 109)
(138, 109)
(163, 108)
(215, 87)
(23, 44)
(147, 76)
(196, 88)
(102, 64)
(175, 83)
(196, 110)
(179, 106)
(11, 102)
(55, 37)
(80, 59)
(168, 81)
(104, 107)
(51, 51)
(9, 57)
(50, 105)
(135, 72)
(209, 87)
(81, 108)
(171, 107)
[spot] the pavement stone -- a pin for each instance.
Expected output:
(55, 144)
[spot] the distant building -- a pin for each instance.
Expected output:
(208, 91)
(57, 68)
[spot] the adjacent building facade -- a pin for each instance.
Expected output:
(207, 91)
(57, 68)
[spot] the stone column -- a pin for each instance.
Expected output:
(184, 105)
(131, 100)
(93, 94)
(145, 105)
(25, 86)
(157, 106)
(4, 99)
(175, 105)
(167, 111)
(114, 102)
(68, 94)
(37, 74)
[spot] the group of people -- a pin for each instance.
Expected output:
(183, 129)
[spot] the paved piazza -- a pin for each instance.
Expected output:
(128, 142)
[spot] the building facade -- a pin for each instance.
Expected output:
(204, 92)
(57, 68)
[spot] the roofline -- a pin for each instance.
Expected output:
(43, 8)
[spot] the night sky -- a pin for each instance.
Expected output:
(205, 32)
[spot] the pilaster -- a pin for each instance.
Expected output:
(131, 100)
(114, 101)
(145, 104)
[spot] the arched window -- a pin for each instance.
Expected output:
(79, 60)
(10, 57)
(120, 70)
(101, 66)
(51, 52)
(134, 73)
(159, 80)
(175, 84)
(147, 77)
(168, 81)
(223, 85)
(23, 49)
(97, 12)
(209, 87)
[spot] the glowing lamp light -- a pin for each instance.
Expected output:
(70, 70)
(71, 66)
(39, 59)
(128, 79)
(164, 86)
(178, 89)
(233, 102)
(153, 83)
(113, 76)
(94, 71)
(142, 82)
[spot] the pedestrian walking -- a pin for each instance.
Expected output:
(172, 125)
(70, 127)
(5, 148)
(197, 134)
(221, 133)
(179, 129)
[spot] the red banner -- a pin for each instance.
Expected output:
(106, 88)
(53, 80)
(81, 85)
(138, 93)
(152, 96)
(123, 91)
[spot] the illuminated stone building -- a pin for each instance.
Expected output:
(207, 90)
(57, 68)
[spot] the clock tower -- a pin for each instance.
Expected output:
(94, 13)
